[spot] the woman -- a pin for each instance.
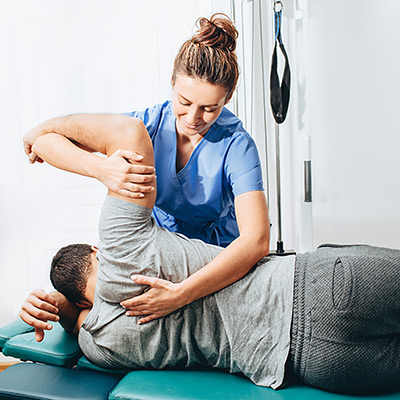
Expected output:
(209, 177)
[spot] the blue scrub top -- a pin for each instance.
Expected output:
(198, 201)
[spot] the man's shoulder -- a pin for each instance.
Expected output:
(121, 207)
(122, 222)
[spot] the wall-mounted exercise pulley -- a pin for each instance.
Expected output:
(279, 100)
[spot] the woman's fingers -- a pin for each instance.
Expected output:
(140, 178)
(141, 169)
(130, 155)
(149, 280)
(147, 318)
(135, 190)
(134, 187)
(144, 299)
(162, 298)
(123, 177)
(135, 168)
(138, 193)
(135, 303)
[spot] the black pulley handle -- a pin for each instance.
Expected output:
(279, 92)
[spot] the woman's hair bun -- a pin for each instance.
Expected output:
(210, 54)
(218, 31)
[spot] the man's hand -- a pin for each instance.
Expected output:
(161, 299)
(39, 308)
(120, 175)
(29, 140)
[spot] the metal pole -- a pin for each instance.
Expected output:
(279, 248)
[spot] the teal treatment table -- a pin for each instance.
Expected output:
(55, 369)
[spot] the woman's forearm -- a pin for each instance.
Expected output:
(228, 267)
(240, 256)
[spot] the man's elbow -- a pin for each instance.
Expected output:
(133, 128)
(129, 135)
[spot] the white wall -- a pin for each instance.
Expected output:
(354, 99)
(58, 58)
(342, 115)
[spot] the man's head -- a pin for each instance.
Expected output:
(72, 269)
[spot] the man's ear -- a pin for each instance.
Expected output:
(83, 304)
(95, 249)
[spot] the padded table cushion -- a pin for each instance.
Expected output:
(57, 348)
(47, 382)
(14, 328)
(84, 363)
(215, 385)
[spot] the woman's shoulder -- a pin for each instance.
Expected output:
(153, 116)
(152, 111)
(165, 108)
(230, 127)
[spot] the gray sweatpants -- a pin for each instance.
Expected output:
(346, 318)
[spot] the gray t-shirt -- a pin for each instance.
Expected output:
(243, 328)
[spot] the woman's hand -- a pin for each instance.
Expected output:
(38, 308)
(161, 299)
(128, 179)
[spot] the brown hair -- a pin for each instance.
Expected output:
(70, 270)
(210, 54)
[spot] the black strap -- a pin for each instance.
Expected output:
(280, 93)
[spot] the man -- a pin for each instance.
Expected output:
(344, 334)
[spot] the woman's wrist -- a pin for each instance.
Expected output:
(95, 167)
(184, 293)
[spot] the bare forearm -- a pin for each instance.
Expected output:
(229, 266)
(241, 255)
(67, 312)
(61, 153)
(89, 132)
(94, 131)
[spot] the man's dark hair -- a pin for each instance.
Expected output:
(70, 269)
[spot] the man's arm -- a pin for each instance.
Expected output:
(60, 152)
(94, 133)
(57, 150)
(41, 307)
(79, 321)
(226, 268)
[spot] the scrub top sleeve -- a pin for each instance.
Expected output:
(150, 117)
(243, 166)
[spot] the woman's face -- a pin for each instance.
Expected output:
(197, 105)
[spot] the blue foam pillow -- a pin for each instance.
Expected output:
(14, 328)
(57, 348)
